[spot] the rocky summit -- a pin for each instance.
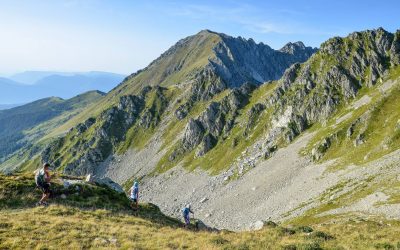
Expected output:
(296, 134)
(192, 72)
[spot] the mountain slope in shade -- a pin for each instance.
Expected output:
(32, 77)
(9, 106)
(16, 123)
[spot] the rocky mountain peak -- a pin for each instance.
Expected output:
(292, 48)
(195, 69)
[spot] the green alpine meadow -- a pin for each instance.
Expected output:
(254, 140)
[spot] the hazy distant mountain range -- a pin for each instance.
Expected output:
(32, 85)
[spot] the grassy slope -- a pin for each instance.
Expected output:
(189, 58)
(79, 222)
(37, 119)
(381, 130)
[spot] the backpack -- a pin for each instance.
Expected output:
(40, 177)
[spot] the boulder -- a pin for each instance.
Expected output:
(89, 178)
(258, 225)
(105, 181)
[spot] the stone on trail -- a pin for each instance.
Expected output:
(204, 200)
(104, 181)
(258, 225)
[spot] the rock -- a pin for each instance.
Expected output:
(193, 134)
(89, 178)
(350, 131)
(66, 184)
(100, 242)
(258, 225)
(319, 150)
(108, 182)
(359, 140)
(181, 112)
(113, 240)
(206, 144)
(204, 200)
(253, 114)
(269, 151)
(267, 64)
(63, 196)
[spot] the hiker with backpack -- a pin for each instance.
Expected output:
(42, 179)
(134, 196)
(186, 214)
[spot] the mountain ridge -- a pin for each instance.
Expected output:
(181, 120)
(16, 123)
(147, 106)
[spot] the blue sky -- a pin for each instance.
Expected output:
(124, 36)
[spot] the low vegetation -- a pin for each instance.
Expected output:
(81, 222)
(369, 132)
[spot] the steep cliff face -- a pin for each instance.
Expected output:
(307, 94)
(234, 60)
(239, 60)
(310, 92)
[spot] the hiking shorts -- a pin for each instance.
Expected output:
(133, 199)
(45, 188)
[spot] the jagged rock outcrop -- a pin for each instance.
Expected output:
(90, 143)
(208, 63)
(311, 92)
(332, 76)
(235, 60)
(215, 121)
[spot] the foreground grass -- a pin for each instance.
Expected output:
(60, 227)
(81, 223)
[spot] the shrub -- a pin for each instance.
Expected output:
(321, 235)
(304, 229)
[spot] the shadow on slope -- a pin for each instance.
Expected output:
(19, 191)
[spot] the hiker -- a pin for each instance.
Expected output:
(42, 179)
(134, 197)
(186, 214)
